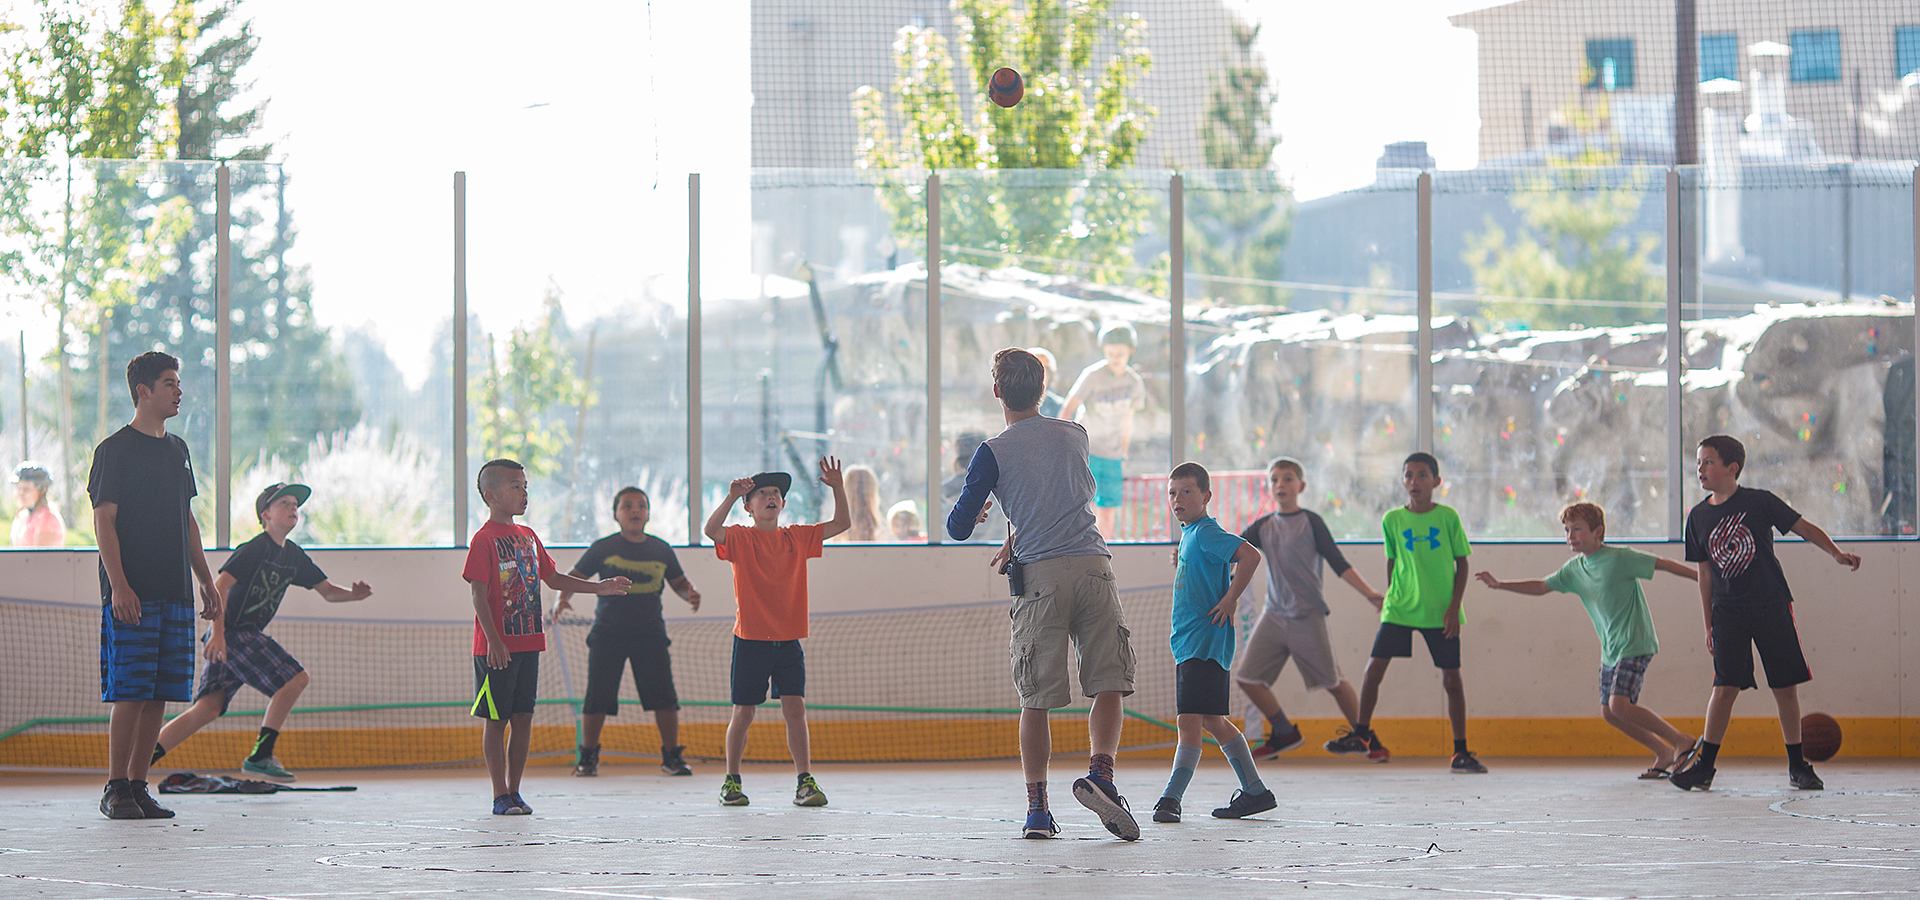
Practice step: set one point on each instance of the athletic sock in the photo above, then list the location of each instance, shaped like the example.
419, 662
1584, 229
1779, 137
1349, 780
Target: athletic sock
1242, 759
159, 750
1036, 795
1100, 765
263, 745
1185, 758
1794, 756
1278, 724
1459, 747
1709, 751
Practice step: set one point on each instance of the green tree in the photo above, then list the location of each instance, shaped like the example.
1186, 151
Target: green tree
1078, 117
524, 399
1574, 247
1239, 220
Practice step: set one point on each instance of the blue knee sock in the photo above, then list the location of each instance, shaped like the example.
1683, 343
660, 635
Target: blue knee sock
1242, 759
1185, 757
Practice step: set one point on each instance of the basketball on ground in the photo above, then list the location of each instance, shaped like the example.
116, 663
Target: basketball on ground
1006, 88
1819, 736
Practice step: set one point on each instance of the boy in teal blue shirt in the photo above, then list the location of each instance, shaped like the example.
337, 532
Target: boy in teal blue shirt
1212, 569
1426, 580
1607, 579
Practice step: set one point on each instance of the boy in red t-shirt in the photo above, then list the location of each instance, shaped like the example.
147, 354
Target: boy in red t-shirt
770, 594
506, 565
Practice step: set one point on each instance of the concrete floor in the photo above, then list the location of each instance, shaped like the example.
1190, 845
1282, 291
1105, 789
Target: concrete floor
1532, 828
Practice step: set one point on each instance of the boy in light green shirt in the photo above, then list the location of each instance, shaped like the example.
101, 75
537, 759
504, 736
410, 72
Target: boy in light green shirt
1607, 579
1426, 579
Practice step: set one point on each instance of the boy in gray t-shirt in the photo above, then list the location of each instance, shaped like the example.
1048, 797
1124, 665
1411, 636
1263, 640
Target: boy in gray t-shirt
1111, 392
1294, 541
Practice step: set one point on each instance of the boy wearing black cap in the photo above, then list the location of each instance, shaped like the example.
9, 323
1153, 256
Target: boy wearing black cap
770, 596
253, 581
1112, 391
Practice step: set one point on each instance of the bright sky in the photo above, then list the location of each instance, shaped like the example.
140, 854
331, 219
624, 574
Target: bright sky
577, 123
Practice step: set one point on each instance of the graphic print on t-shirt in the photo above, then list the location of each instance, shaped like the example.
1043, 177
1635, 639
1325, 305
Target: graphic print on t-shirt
265, 591
649, 576
1432, 537
1731, 546
519, 584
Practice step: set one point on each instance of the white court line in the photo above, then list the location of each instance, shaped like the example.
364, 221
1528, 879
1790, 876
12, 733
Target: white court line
191, 892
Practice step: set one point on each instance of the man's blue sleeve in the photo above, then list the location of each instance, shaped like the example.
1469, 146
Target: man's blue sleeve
982, 474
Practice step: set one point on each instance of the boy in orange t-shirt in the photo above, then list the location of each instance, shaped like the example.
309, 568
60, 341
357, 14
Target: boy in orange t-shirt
770, 594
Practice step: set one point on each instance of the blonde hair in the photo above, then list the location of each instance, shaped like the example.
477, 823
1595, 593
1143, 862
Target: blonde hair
863, 500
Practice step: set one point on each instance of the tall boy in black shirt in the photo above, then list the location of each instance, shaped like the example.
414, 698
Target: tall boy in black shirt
1747, 603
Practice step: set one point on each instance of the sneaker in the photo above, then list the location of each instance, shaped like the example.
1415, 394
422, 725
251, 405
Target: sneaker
1696, 777
1279, 742
1351, 742
808, 793
1376, 751
504, 805
268, 768
1465, 764
730, 794
1104, 799
586, 762
526, 809
671, 762
1167, 811
115, 803
137, 792
1040, 825
1243, 804
1803, 778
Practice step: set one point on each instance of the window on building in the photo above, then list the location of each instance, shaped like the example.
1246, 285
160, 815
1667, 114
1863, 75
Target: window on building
1720, 56
1610, 64
1906, 51
1816, 55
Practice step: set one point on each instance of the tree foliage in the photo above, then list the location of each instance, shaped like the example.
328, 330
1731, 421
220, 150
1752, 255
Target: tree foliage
1080, 64
1239, 220
525, 396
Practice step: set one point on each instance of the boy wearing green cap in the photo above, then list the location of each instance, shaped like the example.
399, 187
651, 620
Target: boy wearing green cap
1111, 391
254, 580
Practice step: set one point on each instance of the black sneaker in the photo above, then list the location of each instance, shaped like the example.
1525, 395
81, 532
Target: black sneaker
1243, 804
1803, 778
1351, 742
1696, 777
587, 762
1465, 764
672, 763
137, 792
1279, 742
1104, 799
116, 803
1167, 811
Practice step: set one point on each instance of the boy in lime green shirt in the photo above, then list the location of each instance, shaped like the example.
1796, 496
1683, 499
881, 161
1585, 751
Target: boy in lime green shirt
1607, 579
1426, 579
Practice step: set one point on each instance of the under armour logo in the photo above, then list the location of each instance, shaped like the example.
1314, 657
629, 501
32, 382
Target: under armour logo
1432, 538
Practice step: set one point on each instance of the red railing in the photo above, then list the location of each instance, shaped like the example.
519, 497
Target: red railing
1238, 498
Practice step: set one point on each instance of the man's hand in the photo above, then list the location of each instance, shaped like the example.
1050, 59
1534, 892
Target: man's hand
830, 471
210, 602
981, 519
497, 655
1002, 556
126, 605
615, 585
1850, 560
739, 487
1222, 612
1451, 621
216, 648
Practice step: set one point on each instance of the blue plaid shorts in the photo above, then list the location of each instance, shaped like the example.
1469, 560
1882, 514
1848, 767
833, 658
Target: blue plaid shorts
252, 659
1624, 678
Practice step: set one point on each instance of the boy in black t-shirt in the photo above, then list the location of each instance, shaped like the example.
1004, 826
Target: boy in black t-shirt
1747, 604
628, 629
141, 485
254, 580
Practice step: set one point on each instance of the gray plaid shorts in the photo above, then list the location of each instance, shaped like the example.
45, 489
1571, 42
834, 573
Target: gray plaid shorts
252, 659
1624, 678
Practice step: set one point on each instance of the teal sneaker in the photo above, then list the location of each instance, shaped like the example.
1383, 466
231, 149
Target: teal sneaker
268, 768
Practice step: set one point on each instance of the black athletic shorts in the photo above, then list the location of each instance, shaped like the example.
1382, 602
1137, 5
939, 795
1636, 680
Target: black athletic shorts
504, 693
608, 656
756, 663
1737, 631
1397, 640
1201, 688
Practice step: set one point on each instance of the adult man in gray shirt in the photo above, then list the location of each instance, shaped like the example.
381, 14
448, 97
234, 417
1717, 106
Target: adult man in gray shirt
1038, 469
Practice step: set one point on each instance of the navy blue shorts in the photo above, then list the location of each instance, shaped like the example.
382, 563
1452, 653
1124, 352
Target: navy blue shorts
1397, 640
1201, 687
252, 659
607, 659
1738, 631
756, 663
504, 693
149, 661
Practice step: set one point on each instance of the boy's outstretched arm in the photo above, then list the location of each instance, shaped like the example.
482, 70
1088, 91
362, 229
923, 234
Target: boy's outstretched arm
1818, 538
1532, 586
561, 581
842, 516
1353, 577
333, 593
1451, 620
1663, 564
716, 529
1246, 559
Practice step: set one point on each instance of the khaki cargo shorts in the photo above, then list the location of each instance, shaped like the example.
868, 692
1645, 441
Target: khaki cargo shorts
1069, 599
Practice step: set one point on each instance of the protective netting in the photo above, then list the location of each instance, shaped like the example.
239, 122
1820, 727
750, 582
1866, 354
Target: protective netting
901, 685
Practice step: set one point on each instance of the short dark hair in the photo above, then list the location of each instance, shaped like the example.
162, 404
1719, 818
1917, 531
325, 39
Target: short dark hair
1421, 456
1192, 470
1289, 463
147, 368
480, 481
630, 490
1730, 450
1021, 378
